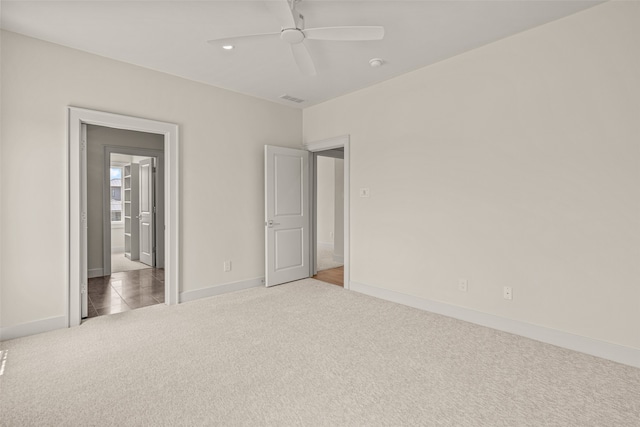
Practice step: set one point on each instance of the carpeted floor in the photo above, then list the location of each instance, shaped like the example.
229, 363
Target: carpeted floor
304, 353
325, 258
119, 262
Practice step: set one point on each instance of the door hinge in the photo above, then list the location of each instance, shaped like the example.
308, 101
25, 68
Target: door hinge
83, 217
83, 144
83, 288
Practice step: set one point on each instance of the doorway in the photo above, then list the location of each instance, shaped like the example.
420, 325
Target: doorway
133, 208
329, 213
124, 192
290, 215
338, 151
79, 120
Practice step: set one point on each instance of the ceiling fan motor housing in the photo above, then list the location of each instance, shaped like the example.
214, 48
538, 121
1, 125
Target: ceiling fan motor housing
292, 35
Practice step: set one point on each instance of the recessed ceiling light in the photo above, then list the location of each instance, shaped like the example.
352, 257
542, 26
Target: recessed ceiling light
227, 47
376, 62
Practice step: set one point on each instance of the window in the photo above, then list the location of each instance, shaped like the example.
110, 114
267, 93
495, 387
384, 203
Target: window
116, 194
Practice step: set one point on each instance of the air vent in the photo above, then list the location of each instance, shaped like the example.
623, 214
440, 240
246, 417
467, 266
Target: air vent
291, 98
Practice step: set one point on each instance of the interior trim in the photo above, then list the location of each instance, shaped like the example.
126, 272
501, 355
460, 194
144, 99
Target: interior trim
95, 272
32, 328
605, 350
221, 289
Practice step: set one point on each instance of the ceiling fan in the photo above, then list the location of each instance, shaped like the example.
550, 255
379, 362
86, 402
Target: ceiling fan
294, 33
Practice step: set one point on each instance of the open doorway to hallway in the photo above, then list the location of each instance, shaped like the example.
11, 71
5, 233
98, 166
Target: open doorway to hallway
329, 205
125, 199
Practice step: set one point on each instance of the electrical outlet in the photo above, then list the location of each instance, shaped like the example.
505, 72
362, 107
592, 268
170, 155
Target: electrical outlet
507, 293
331, 234
463, 285
227, 266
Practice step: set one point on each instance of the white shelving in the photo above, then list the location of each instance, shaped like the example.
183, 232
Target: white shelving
131, 207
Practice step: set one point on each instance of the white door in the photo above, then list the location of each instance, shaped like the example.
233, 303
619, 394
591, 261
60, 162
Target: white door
147, 210
286, 215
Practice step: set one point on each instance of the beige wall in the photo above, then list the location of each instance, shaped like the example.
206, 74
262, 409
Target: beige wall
515, 164
330, 208
222, 135
97, 138
325, 199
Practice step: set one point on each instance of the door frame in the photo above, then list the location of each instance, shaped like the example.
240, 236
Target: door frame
106, 211
325, 145
77, 243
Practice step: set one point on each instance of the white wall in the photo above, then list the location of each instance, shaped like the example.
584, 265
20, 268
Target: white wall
325, 199
222, 135
515, 164
117, 239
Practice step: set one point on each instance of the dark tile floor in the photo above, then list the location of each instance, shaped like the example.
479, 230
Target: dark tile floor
125, 290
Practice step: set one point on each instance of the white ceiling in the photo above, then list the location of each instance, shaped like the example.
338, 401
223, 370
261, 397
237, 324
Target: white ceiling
170, 36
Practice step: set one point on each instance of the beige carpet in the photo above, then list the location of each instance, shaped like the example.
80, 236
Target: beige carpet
304, 353
119, 262
325, 258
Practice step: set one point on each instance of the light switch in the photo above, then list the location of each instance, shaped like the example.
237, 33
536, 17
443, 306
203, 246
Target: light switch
364, 192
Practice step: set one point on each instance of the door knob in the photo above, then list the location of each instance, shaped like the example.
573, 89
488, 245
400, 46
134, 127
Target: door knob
270, 223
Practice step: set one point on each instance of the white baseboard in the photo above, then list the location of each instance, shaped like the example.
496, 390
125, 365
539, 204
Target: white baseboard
221, 289
325, 245
338, 258
32, 328
95, 272
117, 250
617, 353
46, 325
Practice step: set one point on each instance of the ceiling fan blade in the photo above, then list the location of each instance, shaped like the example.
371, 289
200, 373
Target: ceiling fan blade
344, 33
303, 59
233, 40
282, 11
